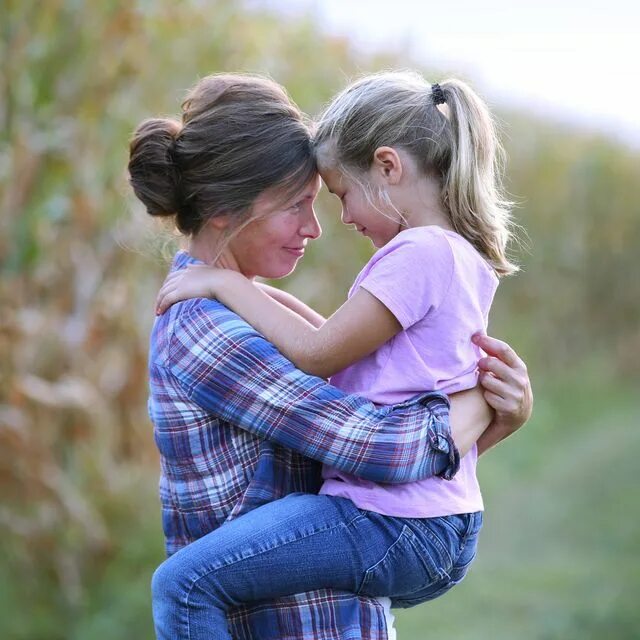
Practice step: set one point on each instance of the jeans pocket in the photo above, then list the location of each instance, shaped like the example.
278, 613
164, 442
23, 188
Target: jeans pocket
430, 592
464, 560
451, 542
409, 565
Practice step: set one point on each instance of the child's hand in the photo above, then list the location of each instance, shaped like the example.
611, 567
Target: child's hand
195, 281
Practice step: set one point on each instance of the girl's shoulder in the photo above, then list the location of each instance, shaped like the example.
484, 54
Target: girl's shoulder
416, 242
448, 245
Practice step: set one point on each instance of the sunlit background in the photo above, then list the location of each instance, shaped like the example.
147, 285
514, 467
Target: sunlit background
80, 267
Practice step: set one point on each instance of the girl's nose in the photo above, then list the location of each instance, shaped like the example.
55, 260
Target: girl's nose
345, 217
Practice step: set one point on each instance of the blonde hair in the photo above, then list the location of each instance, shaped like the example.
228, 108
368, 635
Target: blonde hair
455, 142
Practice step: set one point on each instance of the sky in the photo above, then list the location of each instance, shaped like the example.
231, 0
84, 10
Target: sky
575, 62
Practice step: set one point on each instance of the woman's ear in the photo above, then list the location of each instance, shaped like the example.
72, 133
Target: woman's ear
220, 223
387, 164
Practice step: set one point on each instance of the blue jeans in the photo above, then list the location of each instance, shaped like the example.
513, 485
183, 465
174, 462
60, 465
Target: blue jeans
305, 542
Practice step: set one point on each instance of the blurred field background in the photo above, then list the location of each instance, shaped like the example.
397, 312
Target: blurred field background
80, 267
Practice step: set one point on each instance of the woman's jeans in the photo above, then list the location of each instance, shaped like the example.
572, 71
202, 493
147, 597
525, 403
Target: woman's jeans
305, 542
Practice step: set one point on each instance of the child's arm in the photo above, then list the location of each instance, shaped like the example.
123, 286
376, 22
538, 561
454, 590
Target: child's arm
355, 330
291, 302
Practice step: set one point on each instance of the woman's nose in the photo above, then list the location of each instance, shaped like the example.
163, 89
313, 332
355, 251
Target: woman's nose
345, 217
311, 227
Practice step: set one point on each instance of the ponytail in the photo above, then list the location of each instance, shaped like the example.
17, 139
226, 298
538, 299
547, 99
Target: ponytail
471, 187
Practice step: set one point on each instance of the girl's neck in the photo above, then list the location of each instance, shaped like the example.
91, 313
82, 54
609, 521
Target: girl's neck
418, 197
422, 204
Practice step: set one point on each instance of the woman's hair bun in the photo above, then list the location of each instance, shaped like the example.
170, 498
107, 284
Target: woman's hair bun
152, 172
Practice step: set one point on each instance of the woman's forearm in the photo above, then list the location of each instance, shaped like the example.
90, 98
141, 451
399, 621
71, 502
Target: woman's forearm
240, 378
469, 417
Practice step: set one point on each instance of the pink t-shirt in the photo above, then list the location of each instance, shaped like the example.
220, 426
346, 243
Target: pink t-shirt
440, 290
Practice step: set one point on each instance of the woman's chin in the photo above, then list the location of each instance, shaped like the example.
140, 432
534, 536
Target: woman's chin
276, 271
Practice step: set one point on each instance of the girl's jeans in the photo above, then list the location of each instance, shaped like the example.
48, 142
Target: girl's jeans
305, 542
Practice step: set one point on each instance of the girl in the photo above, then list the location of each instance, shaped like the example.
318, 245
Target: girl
416, 169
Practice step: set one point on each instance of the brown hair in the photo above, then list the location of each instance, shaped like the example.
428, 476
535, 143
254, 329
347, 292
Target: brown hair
239, 135
458, 143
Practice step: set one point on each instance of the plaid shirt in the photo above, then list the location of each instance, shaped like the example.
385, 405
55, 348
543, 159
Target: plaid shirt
237, 426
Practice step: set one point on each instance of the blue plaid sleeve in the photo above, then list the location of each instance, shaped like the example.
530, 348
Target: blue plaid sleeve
231, 371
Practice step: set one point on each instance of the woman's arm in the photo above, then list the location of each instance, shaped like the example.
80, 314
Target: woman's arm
239, 377
232, 372
291, 302
359, 327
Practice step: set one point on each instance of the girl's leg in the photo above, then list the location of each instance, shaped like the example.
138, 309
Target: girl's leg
296, 544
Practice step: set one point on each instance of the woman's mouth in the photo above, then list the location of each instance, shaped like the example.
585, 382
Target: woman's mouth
296, 251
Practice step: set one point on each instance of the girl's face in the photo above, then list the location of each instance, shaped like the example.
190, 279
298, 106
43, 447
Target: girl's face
271, 245
357, 209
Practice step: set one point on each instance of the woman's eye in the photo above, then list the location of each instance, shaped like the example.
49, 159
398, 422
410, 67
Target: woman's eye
297, 206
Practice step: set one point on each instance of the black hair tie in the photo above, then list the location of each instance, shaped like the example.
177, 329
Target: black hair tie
437, 94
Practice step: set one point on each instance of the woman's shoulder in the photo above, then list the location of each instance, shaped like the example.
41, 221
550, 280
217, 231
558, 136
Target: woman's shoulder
196, 314
203, 318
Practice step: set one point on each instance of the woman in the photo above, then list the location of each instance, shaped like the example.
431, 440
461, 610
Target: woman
236, 424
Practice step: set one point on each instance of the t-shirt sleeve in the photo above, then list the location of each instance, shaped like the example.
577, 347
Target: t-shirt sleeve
412, 275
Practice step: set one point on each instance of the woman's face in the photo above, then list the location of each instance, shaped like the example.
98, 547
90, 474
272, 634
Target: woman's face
271, 245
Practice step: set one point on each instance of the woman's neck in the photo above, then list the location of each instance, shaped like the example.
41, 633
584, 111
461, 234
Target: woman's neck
205, 245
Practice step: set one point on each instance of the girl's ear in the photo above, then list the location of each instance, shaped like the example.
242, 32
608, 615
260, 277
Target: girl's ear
387, 163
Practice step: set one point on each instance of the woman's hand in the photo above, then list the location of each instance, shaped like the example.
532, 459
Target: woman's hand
507, 389
195, 281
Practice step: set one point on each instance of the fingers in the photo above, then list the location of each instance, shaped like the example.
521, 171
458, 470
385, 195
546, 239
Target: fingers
498, 349
497, 402
516, 379
167, 294
490, 383
190, 282
166, 297
511, 399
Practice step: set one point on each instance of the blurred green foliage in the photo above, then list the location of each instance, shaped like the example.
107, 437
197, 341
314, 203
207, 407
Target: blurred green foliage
80, 266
